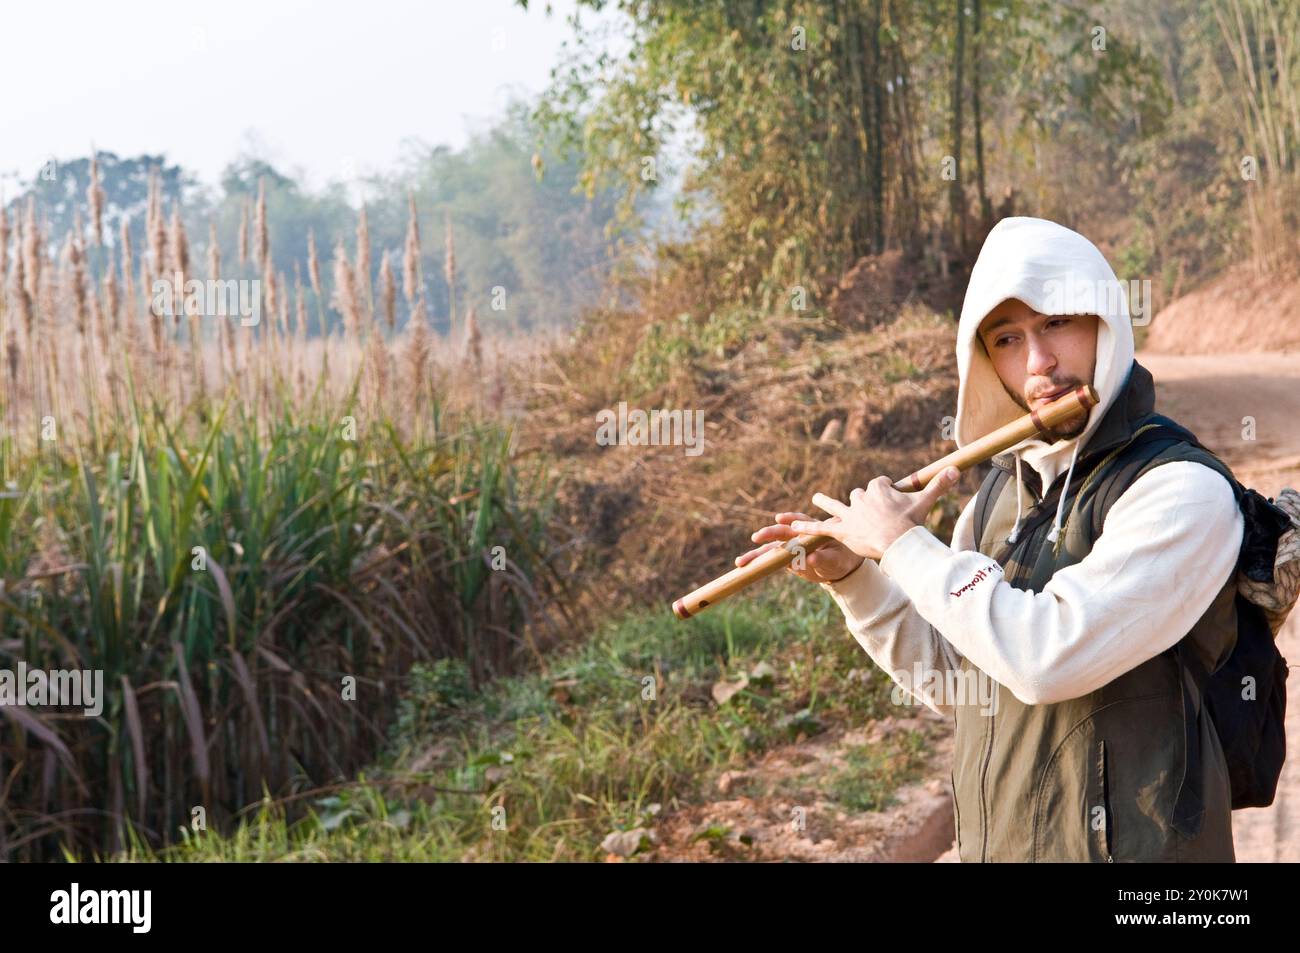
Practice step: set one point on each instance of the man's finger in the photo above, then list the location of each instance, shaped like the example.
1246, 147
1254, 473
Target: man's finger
773, 532
746, 558
831, 528
829, 504
936, 488
791, 517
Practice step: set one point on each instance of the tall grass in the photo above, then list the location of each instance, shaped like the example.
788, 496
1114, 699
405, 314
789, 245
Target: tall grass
253, 535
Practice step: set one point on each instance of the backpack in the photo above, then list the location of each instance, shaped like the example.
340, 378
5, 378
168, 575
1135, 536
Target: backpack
1251, 732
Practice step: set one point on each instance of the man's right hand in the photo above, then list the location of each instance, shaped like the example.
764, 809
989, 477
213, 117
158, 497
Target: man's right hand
831, 563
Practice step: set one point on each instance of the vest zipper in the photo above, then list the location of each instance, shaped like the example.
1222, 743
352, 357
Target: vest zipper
1105, 802
984, 774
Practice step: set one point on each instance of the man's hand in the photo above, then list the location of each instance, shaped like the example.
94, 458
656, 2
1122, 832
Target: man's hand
828, 564
876, 516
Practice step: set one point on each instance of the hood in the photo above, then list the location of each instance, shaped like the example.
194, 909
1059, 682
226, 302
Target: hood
1054, 270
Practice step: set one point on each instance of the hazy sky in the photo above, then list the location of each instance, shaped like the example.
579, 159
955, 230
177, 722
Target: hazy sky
329, 88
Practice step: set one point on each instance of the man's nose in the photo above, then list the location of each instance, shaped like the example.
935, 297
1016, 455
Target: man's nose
1042, 359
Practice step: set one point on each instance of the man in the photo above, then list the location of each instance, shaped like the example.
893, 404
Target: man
1095, 748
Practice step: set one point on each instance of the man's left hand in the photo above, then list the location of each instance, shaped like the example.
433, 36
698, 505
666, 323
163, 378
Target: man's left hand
877, 515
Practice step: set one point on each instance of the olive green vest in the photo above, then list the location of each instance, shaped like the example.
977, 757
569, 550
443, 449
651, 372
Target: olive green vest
1101, 777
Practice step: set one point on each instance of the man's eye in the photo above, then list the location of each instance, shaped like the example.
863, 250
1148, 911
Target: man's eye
1058, 321
1001, 341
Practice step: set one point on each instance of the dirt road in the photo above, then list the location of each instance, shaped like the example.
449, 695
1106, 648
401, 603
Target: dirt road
1218, 397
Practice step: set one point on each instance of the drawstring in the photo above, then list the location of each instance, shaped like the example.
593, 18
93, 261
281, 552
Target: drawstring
1065, 491
1055, 534
1015, 530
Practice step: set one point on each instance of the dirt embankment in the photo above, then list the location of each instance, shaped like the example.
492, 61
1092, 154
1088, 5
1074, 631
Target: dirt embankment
1242, 311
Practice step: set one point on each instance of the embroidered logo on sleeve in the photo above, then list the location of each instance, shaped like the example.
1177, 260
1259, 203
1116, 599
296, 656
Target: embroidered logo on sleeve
977, 578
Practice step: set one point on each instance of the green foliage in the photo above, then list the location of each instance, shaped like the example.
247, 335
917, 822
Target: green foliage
530, 251
434, 694
820, 127
617, 729
228, 578
874, 771
669, 351
59, 191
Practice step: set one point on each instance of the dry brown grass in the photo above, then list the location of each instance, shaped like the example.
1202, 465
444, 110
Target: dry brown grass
659, 522
80, 335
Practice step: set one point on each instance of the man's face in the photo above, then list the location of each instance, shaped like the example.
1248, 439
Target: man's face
1039, 357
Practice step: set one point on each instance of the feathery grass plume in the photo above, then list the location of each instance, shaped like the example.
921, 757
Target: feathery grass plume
4, 240
282, 287
4, 258
261, 237
74, 280
243, 233
299, 304
156, 312
23, 306
412, 280
417, 350
363, 264
473, 340
345, 291
98, 323
179, 246
95, 198
498, 392
223, 372
388, 292
196, 310
33, 254
156, 225
450, 273
47, 262
112, 299
179, 243
47, 304
128, 255
379, 376
214, 251
228, 338
377, 356
22, 297
313, 264
128, 282
270, 294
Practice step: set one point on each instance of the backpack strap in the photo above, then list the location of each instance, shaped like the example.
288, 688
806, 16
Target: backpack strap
989, 490
1125, 464
1115, 474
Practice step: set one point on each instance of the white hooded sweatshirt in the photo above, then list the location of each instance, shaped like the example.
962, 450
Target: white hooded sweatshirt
1169, 542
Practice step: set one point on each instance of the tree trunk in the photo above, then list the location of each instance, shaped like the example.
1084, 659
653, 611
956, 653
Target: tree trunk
956, 199
877, 140
986, 209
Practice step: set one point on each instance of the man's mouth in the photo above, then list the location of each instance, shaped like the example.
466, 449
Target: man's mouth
1048, 398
